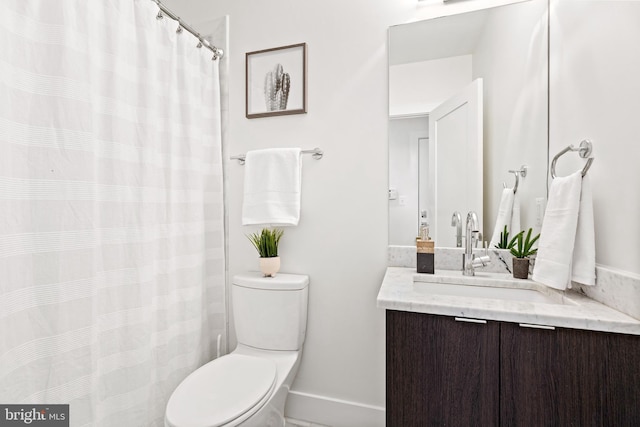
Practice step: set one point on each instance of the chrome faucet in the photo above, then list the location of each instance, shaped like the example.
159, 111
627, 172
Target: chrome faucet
470, 261
456, 221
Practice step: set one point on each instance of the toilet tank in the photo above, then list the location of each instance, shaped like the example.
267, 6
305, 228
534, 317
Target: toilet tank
270, 313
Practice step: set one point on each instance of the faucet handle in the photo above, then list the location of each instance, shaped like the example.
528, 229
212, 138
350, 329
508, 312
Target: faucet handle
483, 260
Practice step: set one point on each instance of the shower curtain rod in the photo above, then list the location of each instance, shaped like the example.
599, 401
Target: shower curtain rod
217, 52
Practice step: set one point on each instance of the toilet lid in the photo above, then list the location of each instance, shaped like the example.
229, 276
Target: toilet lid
221, 391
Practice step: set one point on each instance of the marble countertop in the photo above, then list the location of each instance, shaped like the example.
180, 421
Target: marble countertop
405, 290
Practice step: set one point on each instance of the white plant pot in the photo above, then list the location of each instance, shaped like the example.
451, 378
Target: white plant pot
270, 266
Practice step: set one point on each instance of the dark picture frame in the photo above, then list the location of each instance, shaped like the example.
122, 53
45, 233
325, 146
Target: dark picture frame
276, 81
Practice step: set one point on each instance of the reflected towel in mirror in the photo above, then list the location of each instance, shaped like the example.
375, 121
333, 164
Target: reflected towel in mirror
508, 214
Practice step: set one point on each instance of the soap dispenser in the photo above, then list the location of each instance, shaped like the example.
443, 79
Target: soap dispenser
425, 248
424, 231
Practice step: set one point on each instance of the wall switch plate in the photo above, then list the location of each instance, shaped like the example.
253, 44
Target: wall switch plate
393, 193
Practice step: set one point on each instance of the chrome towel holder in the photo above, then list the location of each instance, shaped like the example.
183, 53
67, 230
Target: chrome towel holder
522, 172
584, 150
316, 153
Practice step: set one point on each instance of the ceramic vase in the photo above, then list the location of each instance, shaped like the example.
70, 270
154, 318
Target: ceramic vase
520, 268
270, 266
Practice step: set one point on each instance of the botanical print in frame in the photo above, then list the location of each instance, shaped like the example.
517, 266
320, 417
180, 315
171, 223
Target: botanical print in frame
276, 81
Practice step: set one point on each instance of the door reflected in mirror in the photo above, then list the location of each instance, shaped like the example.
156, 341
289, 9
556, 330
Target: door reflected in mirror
448, 154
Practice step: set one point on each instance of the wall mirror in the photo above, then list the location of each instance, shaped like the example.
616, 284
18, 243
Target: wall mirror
468, 102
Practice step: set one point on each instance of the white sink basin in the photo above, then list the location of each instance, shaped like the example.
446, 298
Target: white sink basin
495, 286
474, 291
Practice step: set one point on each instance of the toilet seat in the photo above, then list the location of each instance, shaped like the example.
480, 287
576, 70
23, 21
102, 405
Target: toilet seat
226, 389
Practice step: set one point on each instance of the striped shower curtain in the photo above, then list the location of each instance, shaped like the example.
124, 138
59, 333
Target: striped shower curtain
111, 208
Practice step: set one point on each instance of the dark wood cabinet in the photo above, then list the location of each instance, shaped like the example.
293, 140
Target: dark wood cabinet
530, 371
443, 372
568, 377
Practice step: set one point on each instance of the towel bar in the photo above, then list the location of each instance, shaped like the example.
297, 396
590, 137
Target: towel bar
316, 153
522, 172
584, 150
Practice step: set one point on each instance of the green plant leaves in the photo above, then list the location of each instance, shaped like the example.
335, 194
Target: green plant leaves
504, 242
522, 247
266, 242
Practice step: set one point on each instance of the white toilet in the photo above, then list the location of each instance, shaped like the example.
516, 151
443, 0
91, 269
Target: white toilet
249, 386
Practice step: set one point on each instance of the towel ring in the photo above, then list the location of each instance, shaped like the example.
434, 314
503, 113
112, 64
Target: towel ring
522, 172
584, 150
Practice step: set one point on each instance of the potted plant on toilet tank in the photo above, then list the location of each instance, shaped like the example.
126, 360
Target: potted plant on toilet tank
266, 243
521, 250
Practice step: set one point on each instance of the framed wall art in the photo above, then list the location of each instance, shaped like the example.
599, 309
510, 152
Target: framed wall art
276, 81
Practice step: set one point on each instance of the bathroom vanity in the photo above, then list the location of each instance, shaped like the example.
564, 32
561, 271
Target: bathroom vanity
493, 351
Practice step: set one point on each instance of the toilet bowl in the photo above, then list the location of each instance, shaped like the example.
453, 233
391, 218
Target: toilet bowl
249, 386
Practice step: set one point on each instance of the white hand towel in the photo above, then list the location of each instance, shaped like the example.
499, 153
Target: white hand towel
505, 212
584, 253
561, 249
515, 216
272, 183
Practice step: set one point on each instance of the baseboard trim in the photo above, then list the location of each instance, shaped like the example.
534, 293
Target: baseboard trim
333, 412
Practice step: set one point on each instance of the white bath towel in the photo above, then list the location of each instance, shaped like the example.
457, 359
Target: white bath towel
566, 249
505, 214
272, 183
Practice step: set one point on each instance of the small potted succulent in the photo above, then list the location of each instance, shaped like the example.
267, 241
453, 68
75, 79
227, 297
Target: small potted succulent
521, 250
266, 243
504, 242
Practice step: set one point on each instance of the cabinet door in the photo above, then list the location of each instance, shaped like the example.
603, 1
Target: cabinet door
441, 372
569, 377
530, 369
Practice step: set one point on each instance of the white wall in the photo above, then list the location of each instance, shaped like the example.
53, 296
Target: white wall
595, 93
410, 92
